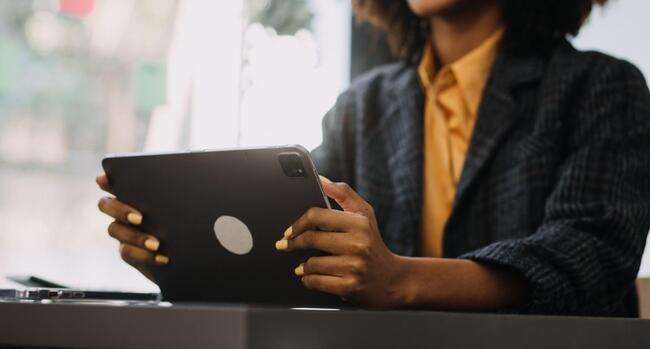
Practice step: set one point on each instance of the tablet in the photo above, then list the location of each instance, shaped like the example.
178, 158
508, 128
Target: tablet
218, 215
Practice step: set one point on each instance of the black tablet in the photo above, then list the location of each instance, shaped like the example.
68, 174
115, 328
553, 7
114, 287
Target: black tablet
218, 215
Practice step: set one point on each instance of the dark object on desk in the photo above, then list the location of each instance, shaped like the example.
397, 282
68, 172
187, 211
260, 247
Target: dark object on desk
39, 294
34, 281
218, 215
39, 289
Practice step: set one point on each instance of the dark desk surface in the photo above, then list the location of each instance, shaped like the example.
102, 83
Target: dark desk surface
203, 326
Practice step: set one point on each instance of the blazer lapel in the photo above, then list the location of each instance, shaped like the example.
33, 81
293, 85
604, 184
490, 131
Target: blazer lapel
402, 130
496, 117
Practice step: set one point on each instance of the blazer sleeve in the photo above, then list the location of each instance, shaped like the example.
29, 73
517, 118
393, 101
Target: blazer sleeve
334, 157
585, 256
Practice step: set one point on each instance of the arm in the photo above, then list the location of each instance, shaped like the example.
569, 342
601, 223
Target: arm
468, 285
584, 257
581, 260
363, 270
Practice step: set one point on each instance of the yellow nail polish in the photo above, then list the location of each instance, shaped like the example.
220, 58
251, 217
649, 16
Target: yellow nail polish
162, 259
300, 270
134, 218
325, 179
282, 245
288, 232
152, 244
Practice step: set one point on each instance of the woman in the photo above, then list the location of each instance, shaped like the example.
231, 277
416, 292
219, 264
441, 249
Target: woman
494, 167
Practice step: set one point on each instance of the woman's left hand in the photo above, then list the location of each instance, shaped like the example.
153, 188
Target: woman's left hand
360, 269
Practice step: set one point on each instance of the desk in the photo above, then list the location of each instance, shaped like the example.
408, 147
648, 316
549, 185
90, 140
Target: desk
204, 326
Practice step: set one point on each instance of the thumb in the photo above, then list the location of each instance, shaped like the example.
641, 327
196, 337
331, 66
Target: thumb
345, 196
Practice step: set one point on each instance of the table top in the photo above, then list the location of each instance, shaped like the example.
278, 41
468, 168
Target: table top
241, 326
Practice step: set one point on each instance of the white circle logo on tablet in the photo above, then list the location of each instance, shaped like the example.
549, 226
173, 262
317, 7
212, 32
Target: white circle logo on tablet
233, 235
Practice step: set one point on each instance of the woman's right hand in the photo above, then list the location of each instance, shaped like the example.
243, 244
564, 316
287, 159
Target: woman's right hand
136, 247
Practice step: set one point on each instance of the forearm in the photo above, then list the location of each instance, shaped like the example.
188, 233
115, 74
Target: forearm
458, 284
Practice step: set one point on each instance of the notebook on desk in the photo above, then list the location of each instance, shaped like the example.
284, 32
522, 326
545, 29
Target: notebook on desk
38, 289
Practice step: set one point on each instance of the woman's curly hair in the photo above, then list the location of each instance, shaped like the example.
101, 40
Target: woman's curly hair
529, 22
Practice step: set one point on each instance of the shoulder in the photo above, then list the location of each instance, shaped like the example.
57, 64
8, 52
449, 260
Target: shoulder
601, 95
356, 115
592, 69
370, 99
377, 88
384, 78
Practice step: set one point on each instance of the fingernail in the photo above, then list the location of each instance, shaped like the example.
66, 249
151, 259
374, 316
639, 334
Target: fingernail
134, 218
152, 244
282, 245
160, 259
325, 179
300, 270
288, 232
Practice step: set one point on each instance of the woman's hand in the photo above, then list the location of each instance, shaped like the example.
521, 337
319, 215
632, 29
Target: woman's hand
136, 247
361, 268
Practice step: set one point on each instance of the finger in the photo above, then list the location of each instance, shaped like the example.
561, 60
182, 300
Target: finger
317, 218
346, 197
329, 284
329, 242
120, 211
103, 183
137, 256
328, 265
131, 236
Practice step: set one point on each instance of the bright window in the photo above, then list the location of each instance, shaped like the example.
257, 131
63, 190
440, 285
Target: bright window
82, 78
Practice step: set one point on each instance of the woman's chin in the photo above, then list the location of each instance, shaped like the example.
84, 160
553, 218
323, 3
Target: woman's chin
430, 8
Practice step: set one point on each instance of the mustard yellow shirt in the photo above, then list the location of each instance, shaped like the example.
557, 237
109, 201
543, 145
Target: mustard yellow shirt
452, 99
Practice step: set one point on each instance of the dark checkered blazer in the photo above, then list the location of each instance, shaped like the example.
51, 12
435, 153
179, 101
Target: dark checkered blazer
556, 184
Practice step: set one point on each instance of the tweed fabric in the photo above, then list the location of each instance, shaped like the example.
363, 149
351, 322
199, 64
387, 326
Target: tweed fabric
556, 184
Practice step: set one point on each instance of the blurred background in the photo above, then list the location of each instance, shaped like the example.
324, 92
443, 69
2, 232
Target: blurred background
82, 78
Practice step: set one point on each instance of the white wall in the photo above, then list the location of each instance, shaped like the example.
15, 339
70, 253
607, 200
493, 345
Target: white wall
622, 29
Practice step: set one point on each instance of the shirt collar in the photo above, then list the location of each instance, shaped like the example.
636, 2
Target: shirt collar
471, 71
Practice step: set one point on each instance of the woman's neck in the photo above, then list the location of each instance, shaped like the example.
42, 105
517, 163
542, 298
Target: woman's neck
455, 34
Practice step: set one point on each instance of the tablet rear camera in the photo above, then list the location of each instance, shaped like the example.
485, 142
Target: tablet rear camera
292, 165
